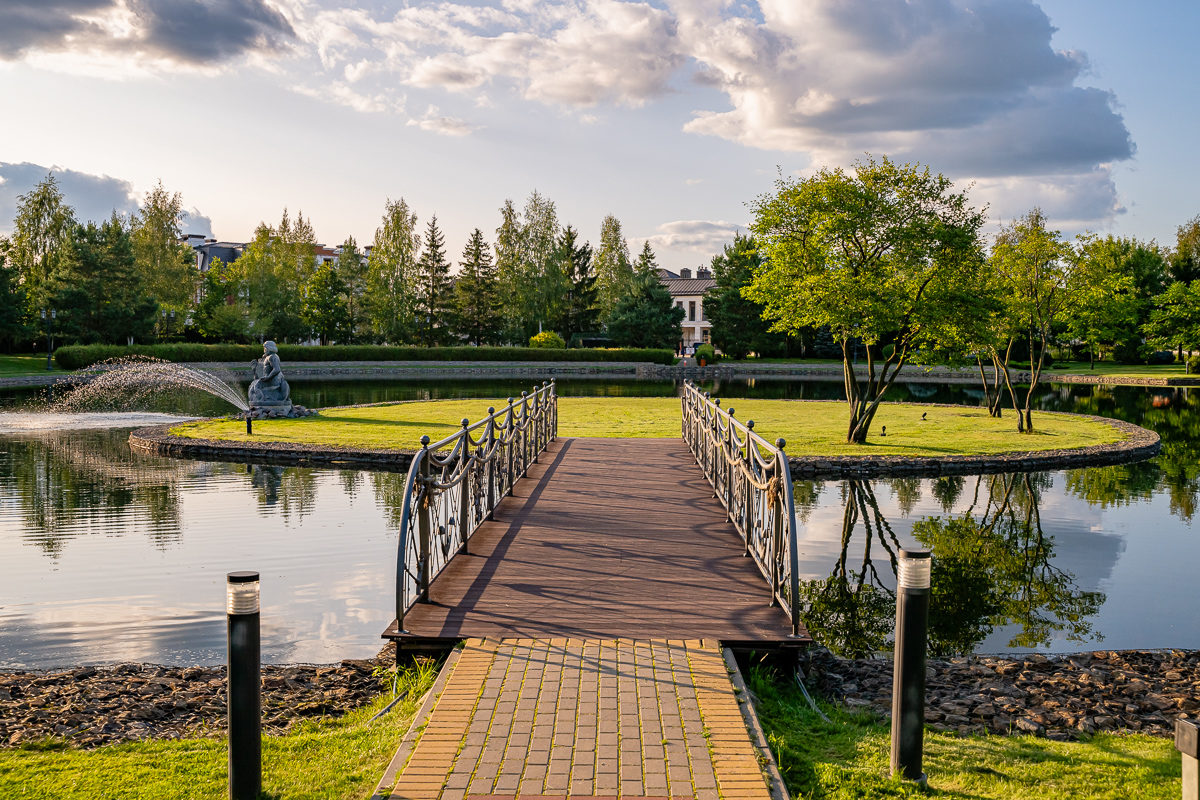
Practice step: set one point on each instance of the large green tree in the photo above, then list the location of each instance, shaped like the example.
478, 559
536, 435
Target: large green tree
614, 273
323, 306
352, 270
274, 269
12, 299
1185, 258
738, 327
1032, 267
1174, 321
42, 233
476, 304
96, 288
434, 299
222, 313
167, 267
646, 317
1105, 303
882, 254
391, 296
578, 310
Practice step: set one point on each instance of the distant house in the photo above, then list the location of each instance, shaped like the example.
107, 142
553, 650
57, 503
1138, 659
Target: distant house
688, 293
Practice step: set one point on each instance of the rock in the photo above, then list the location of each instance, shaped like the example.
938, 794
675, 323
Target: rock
1026, 725
956, 719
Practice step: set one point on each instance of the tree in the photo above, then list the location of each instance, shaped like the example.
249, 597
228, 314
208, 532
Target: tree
508, 272
392, 274
96, 288
12, 299
738, 327
274, 268
476, 306
433, 287
884, 254
1033, 267
578, 312
1174, 322
544, 284
646, 317
646, 265
1104, 302
167, 267
614, 274
324, 306
1184, 263
41, 237
222, 313
352, 270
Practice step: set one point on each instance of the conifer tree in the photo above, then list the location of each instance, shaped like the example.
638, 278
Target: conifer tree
614, 273
646, 265
391, 298
352, 271
646, 317
433, 291
476, 304
578, 305
508, 268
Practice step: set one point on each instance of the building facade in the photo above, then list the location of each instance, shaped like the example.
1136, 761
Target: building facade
687, 291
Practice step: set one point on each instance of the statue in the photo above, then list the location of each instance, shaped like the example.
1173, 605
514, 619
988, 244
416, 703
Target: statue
269, 389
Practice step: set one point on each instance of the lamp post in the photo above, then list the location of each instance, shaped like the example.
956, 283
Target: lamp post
49, 335
908, 666
245, 687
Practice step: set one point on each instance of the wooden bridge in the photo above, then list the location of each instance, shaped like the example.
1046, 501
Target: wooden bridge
598, 585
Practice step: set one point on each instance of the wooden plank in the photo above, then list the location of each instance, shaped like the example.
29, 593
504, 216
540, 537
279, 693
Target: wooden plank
605, 538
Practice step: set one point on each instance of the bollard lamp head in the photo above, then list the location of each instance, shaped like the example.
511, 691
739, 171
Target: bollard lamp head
241, 593
913, 569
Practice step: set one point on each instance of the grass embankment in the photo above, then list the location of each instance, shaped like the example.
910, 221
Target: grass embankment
318, 760
23, 366
849, 758
810, 428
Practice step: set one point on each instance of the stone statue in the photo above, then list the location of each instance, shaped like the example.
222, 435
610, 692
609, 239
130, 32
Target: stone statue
269, 389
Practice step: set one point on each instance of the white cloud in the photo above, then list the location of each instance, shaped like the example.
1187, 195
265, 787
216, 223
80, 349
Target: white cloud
447, 126
690, 235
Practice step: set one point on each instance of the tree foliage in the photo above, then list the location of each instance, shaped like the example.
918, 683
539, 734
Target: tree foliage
646, 317
352, 270
884, 254
434, 301
167, 268
577, 309
476, 304
738, 327
323, 305
391, 300
42, 232
614, 273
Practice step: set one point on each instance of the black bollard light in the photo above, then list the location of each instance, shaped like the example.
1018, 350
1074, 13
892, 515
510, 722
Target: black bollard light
245, 687
249, 424
1187, 742
908, 676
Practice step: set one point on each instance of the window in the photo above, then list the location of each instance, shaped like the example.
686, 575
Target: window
692, 311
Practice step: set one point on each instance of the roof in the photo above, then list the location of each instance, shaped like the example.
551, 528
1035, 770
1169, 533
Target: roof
679, 287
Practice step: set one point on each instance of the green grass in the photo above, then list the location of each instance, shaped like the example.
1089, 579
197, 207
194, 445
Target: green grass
816, 428
849, 759
320, 760
22, 366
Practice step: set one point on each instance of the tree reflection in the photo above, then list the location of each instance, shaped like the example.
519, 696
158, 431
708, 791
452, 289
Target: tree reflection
993, 567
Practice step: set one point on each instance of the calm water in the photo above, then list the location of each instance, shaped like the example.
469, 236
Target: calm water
106, 555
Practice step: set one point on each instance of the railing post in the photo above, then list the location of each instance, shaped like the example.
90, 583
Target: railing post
748, 494
524, 433
490, 444
509, 448
464, 488
424, 523
793, 547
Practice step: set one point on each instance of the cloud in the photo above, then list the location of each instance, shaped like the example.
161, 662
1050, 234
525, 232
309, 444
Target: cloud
94, 197
153, 33
691, 235
446, 126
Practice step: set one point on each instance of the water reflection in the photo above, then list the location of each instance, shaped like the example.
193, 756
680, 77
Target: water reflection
998, 571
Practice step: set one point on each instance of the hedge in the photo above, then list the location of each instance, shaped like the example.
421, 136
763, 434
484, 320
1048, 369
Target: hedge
80, 356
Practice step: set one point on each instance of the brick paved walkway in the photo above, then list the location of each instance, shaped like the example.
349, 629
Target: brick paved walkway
585, 718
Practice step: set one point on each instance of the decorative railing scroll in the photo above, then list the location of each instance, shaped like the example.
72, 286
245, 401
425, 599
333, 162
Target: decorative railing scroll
752, 479
454, 485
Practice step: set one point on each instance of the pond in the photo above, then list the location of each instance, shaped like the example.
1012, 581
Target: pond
111, 556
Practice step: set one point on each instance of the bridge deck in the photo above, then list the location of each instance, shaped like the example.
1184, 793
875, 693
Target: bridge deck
605, 538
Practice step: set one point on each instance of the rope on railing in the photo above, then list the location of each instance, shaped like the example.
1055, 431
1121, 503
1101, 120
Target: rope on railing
453, 486
752, 479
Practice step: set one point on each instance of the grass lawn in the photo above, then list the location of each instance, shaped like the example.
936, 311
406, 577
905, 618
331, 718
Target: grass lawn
320, 760
849, 759
21, 366
810, 428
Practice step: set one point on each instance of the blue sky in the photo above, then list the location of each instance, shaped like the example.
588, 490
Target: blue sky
671, 115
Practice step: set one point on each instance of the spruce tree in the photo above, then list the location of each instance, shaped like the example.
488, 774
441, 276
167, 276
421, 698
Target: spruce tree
578, 306
646, 265
737, 324
646, 317
352, 270
433, 291
476, 304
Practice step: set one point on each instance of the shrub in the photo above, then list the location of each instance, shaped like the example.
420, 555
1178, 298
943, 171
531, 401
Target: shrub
707, 352
1193, 365
547, 340
1161, 357
80, 356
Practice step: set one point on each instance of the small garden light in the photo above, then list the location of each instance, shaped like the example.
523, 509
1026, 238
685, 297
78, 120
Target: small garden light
908, 665
245, 686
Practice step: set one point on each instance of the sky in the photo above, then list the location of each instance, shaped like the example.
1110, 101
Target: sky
672, 115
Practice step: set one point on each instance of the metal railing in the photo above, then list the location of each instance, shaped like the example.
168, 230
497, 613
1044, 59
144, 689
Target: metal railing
751, 478
454, 485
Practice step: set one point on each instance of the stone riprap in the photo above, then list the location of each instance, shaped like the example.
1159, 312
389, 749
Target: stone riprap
1138, 444
269, 412
1058, 696
93, 706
